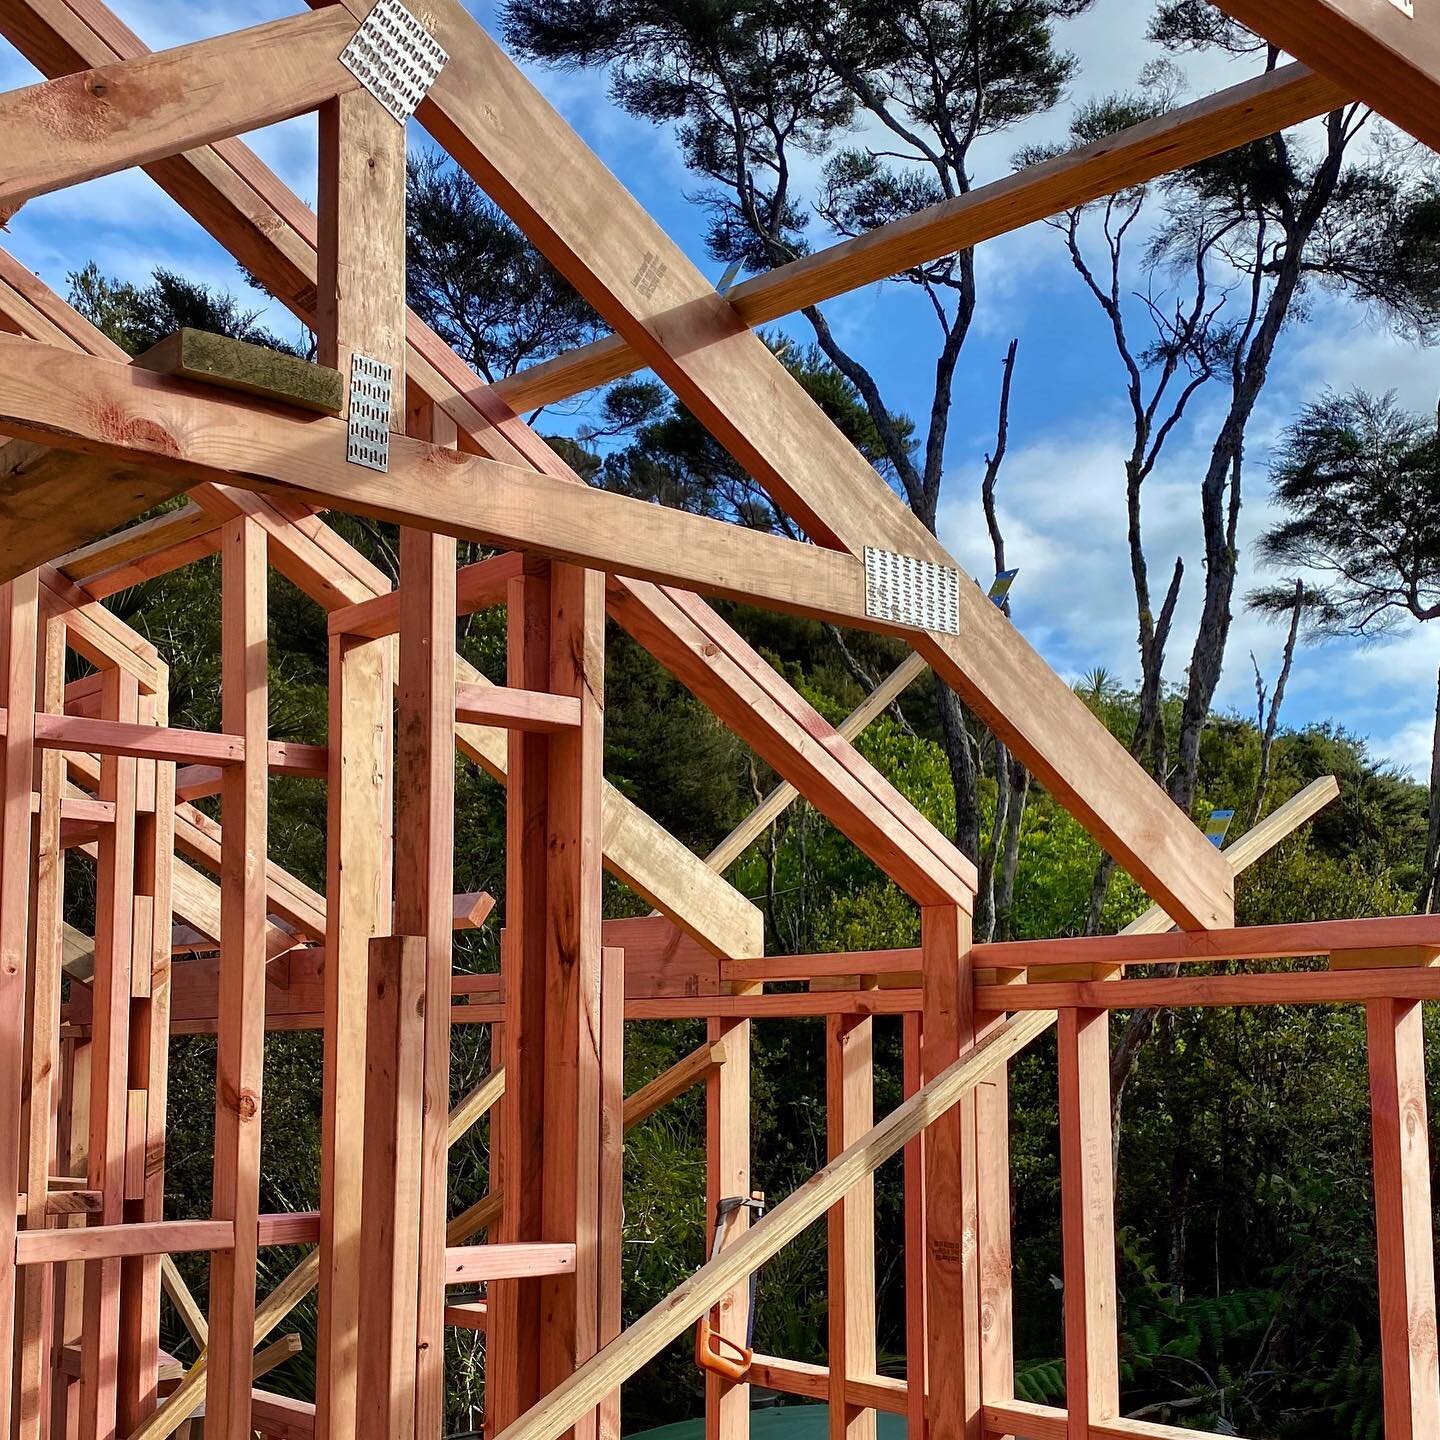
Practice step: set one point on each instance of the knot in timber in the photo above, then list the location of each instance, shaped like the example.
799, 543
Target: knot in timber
114, 423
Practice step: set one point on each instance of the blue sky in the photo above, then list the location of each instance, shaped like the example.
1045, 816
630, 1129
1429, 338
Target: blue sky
1061, 495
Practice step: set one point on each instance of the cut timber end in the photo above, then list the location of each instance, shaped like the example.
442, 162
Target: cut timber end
251, 369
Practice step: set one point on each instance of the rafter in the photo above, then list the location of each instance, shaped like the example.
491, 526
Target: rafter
1385, 52
1220, 122
81, 126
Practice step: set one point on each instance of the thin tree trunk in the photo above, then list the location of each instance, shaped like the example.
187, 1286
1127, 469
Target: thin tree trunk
1267, 738
1149, 733
1010, 856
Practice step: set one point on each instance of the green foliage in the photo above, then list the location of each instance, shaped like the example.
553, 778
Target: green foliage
1358, 480
671, 458
477, 282
136, 317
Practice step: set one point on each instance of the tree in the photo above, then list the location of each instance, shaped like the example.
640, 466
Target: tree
1358, 478
1229, 256
1183, 345
1267, 722
761, 90
1292, 215
475, 280
136, 317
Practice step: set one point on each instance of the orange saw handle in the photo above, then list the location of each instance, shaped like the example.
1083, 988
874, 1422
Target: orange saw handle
713, 1351
718, 1354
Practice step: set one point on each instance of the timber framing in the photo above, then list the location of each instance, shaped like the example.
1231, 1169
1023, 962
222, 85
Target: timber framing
198, 931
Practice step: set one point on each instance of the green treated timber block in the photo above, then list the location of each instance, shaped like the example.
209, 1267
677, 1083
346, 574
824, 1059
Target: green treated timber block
251, 369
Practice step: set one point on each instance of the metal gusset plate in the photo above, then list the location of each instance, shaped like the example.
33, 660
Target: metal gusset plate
909, 591
395, 58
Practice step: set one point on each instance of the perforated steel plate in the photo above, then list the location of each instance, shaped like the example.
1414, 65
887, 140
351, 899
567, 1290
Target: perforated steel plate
368, 440
907, 591
395, 58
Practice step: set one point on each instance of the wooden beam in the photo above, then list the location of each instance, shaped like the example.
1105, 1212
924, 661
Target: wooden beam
516, 709
1404, 1240
471, 910
572, 938
431, 487
1232, 117
797, 1377
192, 1317
503, 132
247, 368
152, 928
52, 501
1249, 942
688, 1301
1293, 988
425, 906
469, 1264
952, 1281
1087, 1221
683, 1075
850, 1239
358, 309
774, 805
35, 1317
109, 1242
728, 1175
291, 1227
390, 1213
358, 909
118, 552
476, 1105
1384, 52
240, 1052
111, 992
139, 742
19, 631
610, 1204
361, 239
90, 124
710, 659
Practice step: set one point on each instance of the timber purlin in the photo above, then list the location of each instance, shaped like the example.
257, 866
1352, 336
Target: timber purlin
259, 442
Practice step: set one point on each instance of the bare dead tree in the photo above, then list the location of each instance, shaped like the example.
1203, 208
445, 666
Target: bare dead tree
1000, 860
1160, 382
1268, 723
